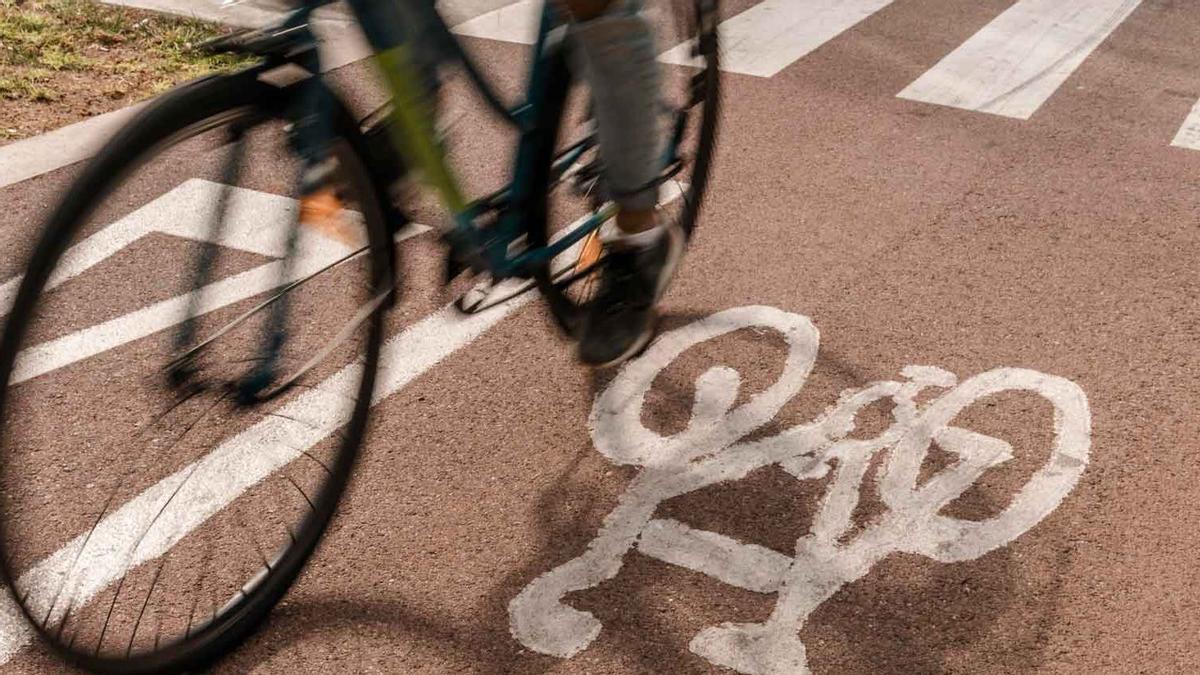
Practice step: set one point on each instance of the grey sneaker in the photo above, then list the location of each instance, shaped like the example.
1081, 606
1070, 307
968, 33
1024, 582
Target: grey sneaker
621, 318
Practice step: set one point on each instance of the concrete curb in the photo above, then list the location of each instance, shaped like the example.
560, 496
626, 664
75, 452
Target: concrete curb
342, 43
73, 143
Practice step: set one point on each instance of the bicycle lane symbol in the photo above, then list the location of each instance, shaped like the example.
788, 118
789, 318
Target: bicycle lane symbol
709, 450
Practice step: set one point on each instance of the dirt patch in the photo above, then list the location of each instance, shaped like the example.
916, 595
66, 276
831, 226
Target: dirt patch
64, 60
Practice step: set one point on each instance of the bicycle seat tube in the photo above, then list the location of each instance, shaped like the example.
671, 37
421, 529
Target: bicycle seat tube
400, 32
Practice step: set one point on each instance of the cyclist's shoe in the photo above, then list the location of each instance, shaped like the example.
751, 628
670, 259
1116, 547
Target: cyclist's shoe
621, 318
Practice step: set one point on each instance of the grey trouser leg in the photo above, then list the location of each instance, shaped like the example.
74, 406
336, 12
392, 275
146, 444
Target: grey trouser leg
620, 64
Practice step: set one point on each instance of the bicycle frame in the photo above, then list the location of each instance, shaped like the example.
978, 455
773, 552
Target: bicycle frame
495, 249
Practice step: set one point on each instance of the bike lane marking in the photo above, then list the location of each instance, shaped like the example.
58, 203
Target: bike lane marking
1016, 63
711, 450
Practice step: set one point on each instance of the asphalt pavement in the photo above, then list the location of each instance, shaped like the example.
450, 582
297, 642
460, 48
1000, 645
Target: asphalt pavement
985, 210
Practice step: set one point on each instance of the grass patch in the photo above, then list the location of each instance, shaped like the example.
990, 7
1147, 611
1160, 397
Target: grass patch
73, 58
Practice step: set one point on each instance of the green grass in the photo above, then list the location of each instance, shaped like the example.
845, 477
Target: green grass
126, 51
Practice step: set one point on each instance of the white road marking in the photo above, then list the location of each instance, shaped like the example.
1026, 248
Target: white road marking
233, 467
455, 12
1017, 62
76, 142
747, 566
517, 22
773, 34
1189, 134
256, 222
239, 14
760, 41
711, 450
183, 212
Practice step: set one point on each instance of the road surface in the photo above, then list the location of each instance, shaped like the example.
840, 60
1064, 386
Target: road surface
1001, 192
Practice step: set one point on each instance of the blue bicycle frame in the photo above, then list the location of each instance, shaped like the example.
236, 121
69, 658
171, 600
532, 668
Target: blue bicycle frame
409, 37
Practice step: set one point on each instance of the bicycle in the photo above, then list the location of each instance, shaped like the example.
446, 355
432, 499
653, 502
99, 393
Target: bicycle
214, 474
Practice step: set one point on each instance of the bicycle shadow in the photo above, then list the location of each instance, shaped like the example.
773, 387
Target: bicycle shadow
909, 614
487, 644
914, 615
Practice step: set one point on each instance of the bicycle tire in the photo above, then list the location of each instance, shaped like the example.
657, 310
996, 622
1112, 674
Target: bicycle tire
189, 107
706, 82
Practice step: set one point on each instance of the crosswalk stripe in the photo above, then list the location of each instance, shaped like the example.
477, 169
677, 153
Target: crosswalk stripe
517, 22
1017, 62
1189, 134
773, 34
760, 41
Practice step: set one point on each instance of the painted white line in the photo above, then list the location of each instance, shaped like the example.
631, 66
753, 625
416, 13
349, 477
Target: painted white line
773, 34
517, 23
1189, 134
256, 222
747, 566
239, 14
1017, 62
760, 41
458, 11
710, 449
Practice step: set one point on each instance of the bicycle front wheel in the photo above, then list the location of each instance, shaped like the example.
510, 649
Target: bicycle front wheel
190, 357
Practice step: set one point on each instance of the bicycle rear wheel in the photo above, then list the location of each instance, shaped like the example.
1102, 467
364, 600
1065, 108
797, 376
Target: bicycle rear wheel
686, 33
153, 505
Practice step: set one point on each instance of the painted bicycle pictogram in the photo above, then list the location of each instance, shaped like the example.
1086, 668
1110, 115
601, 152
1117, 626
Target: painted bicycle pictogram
711, 450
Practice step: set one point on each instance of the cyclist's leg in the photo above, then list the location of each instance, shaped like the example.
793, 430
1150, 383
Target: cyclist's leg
621, 67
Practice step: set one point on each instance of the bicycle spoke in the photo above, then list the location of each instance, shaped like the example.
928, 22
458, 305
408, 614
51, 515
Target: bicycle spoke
347, 331
142, 611
63, 624
304, 494
78, 554
287, 288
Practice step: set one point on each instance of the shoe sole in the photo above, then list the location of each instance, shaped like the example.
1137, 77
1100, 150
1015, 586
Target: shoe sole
635, 348
674, 255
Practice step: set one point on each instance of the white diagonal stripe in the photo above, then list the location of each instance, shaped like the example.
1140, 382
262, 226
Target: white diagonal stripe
1189, 134
1017, 62
773, 34
255, 221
